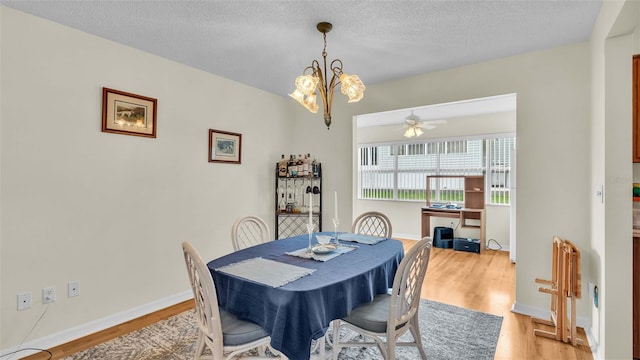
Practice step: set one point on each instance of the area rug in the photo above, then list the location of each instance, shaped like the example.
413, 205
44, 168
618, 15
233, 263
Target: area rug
448, 332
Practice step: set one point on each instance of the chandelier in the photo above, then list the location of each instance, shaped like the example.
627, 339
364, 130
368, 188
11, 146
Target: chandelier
316, 80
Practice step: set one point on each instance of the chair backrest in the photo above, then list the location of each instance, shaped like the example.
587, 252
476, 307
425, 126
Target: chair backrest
204, 294
249, 231
407, 285
372, 223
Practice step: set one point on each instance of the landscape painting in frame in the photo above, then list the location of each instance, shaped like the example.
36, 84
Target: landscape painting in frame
225, 146
128, 114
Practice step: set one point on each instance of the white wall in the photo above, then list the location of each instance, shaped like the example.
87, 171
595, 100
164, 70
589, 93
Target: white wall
111, 210
612, 47
552, 88
618, 184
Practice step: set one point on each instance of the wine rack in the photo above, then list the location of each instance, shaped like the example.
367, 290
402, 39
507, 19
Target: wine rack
294, 198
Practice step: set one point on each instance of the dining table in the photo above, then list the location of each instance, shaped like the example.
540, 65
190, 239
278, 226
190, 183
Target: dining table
298, 308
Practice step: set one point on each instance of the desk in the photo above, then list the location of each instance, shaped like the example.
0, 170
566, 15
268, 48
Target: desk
300, 311
463, 215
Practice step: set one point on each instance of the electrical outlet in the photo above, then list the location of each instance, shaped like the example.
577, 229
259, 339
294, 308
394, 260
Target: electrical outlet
24, 300
48, 295
73, 288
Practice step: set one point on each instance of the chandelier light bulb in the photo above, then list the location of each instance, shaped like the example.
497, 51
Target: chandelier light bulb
352, 86
310, 103
306, 84
298, 95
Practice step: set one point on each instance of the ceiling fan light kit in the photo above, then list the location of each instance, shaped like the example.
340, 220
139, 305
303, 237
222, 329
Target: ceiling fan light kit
308, 84
415, 126
413, 131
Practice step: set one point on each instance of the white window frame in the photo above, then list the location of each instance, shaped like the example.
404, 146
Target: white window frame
383, 183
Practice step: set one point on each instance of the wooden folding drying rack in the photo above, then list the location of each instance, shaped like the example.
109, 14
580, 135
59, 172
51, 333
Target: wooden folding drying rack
564, 287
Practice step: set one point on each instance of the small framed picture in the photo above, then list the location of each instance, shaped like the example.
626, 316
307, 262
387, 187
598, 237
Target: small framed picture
225, 146
128, 114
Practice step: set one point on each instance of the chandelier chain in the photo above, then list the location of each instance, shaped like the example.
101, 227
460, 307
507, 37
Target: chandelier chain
324, 49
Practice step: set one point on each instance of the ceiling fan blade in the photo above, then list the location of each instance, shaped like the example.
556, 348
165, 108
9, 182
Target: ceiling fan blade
427, 126
434, 122
412, 122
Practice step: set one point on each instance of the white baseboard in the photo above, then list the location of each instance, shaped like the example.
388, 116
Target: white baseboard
89, 328
595, 347
540, 313
494, 247
581, 322
406, 236
415, 237
544, 314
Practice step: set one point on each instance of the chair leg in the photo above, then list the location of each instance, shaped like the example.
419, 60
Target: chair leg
318, 347
388, 350
415, 332
200, 345
336, 340
262, 350
327, 338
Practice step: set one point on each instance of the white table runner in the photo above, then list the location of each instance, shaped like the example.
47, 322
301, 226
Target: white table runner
264, 271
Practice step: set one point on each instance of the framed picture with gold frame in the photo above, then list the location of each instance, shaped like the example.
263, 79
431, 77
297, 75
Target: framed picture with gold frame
225, 147
128, 114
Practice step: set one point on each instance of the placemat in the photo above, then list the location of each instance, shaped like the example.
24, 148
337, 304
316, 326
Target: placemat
264, 271
360, 238
304, 253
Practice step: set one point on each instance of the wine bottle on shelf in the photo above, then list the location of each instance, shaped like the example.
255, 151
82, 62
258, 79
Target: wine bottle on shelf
282, 205
299, 162
295, 166
296, 200
315, 168
305, 166
290, 166
289, 207
282, 167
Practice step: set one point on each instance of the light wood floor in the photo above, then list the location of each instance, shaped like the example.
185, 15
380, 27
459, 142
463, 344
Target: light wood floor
480, 282
487, 283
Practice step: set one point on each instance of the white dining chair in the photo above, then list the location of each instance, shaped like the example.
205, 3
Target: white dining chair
372, 223
249, 231
222, 333
390, 315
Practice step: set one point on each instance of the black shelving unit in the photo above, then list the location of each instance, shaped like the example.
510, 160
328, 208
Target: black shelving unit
292, 213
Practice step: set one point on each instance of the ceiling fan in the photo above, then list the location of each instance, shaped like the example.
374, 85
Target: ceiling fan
415, 126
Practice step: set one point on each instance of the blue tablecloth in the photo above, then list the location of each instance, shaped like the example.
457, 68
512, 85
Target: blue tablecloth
300, 311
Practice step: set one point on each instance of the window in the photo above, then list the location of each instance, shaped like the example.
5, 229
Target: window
415, 149
400, 170
499, 181
455, 147
368, 156
398, 150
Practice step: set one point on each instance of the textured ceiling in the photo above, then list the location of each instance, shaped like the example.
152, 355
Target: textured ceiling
266, 44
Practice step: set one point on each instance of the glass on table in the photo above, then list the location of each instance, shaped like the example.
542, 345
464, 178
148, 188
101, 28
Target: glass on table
336, 222
310, 228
